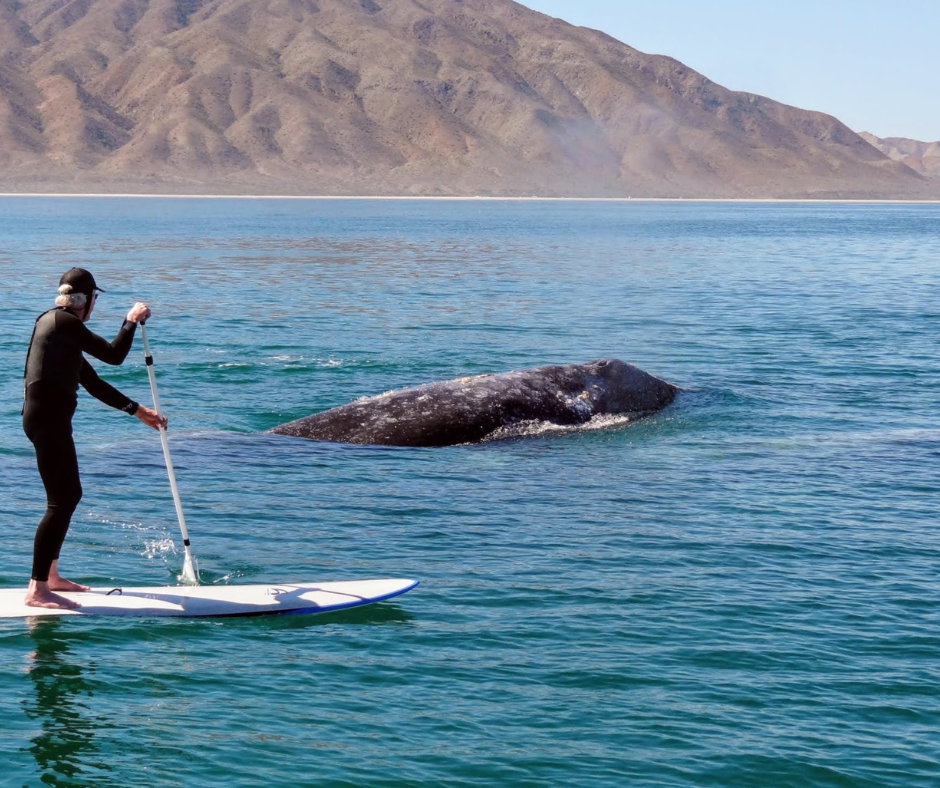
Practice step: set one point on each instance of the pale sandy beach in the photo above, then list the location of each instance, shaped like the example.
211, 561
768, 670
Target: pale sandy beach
353, 198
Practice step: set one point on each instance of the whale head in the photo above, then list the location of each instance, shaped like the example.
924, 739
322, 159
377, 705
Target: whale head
624, 388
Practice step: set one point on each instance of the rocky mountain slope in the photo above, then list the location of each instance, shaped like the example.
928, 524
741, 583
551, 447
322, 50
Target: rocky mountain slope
430, 97
922, 157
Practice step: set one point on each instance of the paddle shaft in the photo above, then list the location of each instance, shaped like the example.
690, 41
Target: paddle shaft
148, 358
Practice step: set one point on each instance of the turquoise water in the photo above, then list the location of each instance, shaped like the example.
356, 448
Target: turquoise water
739, 591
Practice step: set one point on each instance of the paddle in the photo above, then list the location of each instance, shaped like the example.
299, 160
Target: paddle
190, 574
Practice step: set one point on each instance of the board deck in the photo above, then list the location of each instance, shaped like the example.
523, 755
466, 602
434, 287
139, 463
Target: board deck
221, 600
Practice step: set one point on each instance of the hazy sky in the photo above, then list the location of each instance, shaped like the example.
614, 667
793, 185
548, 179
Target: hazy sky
874, 64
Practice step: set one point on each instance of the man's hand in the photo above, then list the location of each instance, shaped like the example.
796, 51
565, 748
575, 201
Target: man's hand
150, 417
139, 312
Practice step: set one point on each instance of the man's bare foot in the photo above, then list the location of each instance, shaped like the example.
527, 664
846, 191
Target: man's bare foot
61, 584
58, 583
39, 595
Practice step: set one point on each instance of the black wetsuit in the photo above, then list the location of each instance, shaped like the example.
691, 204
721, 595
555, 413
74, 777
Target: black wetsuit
55, 367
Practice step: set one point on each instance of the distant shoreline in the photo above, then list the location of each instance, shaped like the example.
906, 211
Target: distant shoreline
404, 198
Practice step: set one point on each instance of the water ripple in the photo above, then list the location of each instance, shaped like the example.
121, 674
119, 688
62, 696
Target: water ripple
740, 590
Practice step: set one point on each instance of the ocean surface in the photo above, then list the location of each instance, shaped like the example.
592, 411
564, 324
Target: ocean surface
741, 590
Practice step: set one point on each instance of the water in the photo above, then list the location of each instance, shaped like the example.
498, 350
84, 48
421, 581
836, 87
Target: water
739, 591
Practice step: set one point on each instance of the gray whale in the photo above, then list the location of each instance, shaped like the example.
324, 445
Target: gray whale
469, 409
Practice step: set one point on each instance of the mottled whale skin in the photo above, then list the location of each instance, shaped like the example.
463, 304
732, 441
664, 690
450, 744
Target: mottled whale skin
467, 410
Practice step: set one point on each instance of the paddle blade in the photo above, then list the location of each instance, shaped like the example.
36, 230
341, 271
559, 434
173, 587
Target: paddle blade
190, 574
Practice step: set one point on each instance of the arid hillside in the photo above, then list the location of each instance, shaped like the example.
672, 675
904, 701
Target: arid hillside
922, 157
412, 97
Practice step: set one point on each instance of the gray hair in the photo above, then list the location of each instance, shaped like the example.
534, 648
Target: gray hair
68, 298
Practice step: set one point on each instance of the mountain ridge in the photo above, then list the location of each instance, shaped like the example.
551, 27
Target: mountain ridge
381, 97
922, 157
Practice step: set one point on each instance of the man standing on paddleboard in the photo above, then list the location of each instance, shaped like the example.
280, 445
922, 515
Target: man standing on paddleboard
55, 367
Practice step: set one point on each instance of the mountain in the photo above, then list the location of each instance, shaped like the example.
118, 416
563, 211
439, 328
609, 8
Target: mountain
922, 157
411, 97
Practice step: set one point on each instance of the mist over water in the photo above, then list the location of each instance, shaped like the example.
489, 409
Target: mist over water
739, 590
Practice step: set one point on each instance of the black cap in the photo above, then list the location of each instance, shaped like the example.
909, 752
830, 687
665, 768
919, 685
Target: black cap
81, 280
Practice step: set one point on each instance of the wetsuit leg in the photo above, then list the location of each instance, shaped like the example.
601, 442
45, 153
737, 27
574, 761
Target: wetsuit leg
58, 467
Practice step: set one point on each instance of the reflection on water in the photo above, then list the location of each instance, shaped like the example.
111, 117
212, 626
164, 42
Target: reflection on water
65, 748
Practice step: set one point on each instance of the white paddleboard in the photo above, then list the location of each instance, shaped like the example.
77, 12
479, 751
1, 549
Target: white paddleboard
204, 601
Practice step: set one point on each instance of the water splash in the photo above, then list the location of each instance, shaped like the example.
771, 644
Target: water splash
162, 548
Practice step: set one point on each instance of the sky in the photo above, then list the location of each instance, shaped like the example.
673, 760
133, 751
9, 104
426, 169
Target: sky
874, 64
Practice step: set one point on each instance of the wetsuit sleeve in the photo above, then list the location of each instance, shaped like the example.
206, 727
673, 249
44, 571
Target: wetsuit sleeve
113, 352
103, 391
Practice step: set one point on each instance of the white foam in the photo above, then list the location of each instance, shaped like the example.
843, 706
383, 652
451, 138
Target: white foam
536, 427
297, 362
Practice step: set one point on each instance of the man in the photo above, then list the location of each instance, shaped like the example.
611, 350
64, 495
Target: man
55, 367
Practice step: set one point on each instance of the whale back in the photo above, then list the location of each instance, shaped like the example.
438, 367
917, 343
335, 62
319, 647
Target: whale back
466, 410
